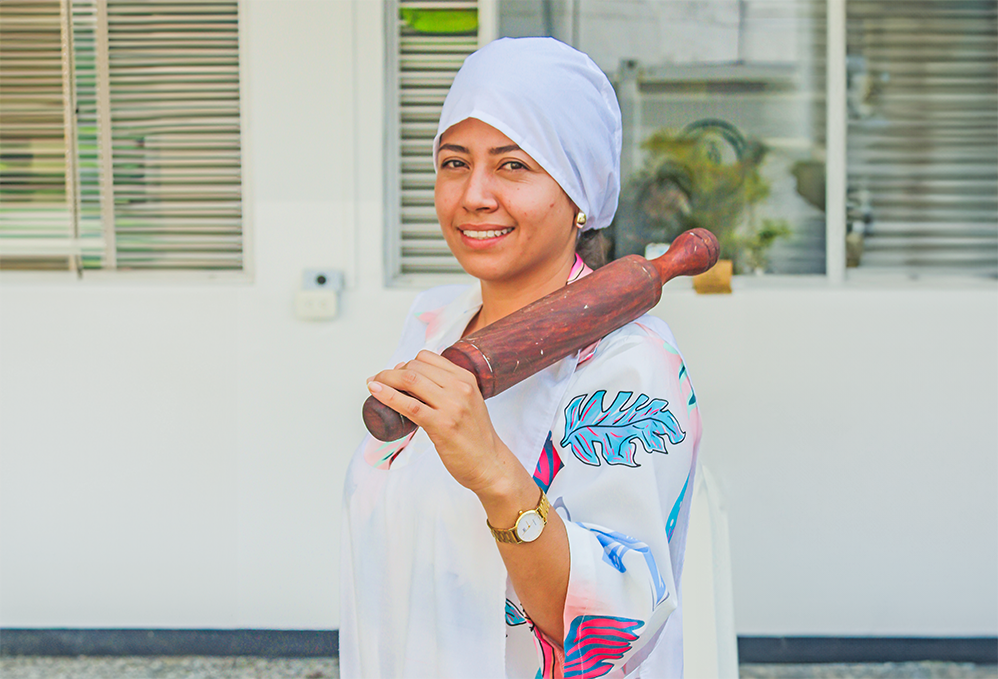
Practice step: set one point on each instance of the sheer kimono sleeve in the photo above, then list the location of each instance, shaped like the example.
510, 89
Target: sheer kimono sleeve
617, 469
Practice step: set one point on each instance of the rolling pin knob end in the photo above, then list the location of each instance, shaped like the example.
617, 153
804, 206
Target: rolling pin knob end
384, 423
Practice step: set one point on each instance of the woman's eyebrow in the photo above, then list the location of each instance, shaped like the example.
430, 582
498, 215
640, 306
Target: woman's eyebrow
499, 150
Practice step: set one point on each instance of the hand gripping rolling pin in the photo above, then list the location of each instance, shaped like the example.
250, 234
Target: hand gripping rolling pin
546, 331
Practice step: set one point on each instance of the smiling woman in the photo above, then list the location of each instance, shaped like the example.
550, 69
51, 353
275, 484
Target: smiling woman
505, 219
541, 533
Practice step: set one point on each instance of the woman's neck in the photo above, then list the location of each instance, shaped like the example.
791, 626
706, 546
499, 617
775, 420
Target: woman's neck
501, 298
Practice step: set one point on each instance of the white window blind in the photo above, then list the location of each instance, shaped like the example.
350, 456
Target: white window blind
922, 152
427, 43
151, 177
36, 205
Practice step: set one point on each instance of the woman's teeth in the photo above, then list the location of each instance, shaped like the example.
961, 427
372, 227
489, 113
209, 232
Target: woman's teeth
482, 235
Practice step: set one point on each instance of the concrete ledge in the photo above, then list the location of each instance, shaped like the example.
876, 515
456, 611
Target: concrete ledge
978, 650
325, 643
146, 642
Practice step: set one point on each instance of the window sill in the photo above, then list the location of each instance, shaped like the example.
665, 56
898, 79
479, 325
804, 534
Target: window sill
855, 280
123, 278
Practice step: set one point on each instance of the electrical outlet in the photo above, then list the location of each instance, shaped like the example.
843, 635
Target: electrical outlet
316, 305
318, 299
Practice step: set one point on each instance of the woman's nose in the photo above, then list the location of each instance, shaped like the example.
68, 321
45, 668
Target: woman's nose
479, 192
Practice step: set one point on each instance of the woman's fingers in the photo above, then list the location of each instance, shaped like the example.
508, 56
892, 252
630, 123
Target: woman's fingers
446, 402
400, 402
436, 360
429, 390
435, 368
437, 371
410, 382
427, 379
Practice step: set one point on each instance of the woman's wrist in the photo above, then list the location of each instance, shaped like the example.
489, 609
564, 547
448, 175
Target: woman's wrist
512, 491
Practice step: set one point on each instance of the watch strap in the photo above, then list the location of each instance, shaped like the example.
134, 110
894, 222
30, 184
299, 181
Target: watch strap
509, 535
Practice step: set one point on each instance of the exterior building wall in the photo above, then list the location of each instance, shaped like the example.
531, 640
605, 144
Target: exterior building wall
172, 454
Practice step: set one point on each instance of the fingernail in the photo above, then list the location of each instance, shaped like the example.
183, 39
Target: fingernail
373, 387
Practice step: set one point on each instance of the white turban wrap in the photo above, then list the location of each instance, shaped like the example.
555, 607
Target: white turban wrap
557, 105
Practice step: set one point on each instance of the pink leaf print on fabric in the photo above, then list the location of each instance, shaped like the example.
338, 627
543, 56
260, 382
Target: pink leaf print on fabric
548, 465
552, 660
432, 321
593, 643
380, 455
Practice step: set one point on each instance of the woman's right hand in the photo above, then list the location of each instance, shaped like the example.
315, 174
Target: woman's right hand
445, 401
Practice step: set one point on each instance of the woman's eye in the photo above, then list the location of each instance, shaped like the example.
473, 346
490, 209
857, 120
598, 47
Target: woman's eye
452, 163
515, 165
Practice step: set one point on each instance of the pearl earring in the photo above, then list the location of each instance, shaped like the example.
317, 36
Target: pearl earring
580, 219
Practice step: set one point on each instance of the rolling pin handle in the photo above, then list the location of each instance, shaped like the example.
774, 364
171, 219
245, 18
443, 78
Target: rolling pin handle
693, 252
384, 423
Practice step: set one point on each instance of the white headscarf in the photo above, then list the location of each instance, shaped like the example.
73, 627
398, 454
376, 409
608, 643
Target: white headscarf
557, 105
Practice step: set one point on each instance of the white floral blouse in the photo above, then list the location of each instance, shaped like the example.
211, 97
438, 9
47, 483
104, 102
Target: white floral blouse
611, 435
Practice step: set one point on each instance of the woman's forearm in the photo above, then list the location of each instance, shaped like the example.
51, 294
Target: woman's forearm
538, 570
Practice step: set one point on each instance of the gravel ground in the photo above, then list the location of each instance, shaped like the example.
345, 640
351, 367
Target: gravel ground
31, 667
34, 667
913, 670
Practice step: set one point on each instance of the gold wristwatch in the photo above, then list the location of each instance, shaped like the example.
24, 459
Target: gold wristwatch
529, 524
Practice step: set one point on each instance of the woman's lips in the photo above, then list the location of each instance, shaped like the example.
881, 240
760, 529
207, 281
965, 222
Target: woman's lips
481, 236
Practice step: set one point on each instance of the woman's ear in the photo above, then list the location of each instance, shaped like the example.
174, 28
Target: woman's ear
580, 216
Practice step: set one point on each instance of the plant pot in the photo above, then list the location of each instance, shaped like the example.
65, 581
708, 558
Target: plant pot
717, 279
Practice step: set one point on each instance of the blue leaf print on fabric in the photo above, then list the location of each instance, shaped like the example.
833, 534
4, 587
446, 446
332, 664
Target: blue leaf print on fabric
692, 402
683, 374
670, 525
615, 545
514, 616
560, 507
589, 428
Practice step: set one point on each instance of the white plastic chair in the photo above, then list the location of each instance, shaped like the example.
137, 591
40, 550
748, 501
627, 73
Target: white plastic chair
710, 644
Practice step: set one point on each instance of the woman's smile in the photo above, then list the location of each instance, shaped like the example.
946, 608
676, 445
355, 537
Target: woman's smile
481, 236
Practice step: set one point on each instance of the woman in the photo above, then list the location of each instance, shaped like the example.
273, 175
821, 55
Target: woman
541, 533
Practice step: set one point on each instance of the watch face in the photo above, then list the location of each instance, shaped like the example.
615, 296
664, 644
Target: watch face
529, 527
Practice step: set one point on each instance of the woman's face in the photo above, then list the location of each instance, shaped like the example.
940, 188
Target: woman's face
503, 216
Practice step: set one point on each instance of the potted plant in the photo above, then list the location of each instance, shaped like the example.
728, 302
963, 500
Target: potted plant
707, 175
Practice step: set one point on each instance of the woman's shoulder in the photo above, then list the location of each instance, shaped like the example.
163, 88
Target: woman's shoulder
647, 340
634, 387
437, 298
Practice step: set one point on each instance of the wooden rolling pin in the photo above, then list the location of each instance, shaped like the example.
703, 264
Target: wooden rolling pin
560, 324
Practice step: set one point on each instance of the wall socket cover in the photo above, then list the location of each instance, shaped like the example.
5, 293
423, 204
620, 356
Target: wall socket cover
316, 305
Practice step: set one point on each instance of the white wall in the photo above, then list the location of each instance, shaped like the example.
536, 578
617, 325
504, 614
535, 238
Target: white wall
171, 455
855, 435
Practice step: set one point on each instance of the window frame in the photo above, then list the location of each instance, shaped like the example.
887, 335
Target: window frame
74, 275
488, 21
836, 275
